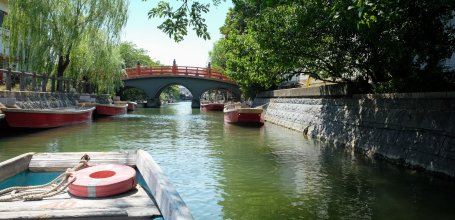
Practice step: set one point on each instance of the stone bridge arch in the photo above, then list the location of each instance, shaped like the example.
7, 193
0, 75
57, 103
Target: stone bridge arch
154, 85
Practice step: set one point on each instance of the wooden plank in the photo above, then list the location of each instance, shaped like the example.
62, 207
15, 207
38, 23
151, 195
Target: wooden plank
167, 198
13, 166
76, 204
135, 204
65, 214
48, 162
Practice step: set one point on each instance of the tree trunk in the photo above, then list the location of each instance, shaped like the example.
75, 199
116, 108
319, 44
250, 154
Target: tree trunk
63, 63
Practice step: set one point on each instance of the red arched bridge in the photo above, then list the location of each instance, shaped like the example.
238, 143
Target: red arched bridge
154, 79
147, 71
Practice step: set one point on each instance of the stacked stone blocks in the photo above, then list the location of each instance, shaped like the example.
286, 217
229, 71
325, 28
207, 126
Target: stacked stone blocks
415, 129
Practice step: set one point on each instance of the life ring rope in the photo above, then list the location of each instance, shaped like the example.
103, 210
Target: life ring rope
39, 192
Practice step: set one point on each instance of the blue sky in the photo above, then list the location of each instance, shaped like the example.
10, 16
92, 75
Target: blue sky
192, 51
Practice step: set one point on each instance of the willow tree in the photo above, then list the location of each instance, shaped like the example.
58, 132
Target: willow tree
46, 34
101, 66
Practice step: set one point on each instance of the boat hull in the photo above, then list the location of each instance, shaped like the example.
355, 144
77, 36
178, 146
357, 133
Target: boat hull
244, 117
132, 106
28, 118
212, 107
110, 110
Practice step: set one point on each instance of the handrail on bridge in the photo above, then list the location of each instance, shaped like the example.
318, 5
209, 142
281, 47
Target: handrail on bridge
145, 71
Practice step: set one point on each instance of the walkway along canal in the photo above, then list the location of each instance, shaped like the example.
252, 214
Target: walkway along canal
224, 171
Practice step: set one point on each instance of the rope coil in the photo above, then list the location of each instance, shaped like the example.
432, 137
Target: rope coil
39, 192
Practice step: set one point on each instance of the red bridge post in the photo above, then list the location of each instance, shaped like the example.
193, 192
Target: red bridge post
138, 68
174, 67
209, 69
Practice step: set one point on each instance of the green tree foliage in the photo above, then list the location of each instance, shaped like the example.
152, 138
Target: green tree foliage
46, 35
177, 21
102, 67
394, 45
131, 54
258, 49
217, 56
399, 44
133, 94
170, 92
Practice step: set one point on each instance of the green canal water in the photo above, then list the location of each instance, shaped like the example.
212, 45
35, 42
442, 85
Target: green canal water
224, 171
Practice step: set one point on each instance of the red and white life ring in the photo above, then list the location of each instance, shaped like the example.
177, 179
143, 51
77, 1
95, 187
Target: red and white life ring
103, 180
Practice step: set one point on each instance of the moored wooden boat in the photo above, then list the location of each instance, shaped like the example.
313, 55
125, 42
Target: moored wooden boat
131, 105
87, 104
47, 118
3, 123
111, 109
240, 113
141, 104
156, 197
211, 106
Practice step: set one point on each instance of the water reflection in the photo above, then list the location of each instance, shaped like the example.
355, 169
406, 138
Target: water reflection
283, 175
225, 171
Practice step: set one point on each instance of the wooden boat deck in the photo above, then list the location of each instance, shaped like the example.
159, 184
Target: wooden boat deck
135, 204
50, 162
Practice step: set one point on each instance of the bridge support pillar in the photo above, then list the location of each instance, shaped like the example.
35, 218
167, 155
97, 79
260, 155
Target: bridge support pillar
153, 103
195, 103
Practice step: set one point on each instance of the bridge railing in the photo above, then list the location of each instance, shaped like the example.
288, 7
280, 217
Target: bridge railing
146, 71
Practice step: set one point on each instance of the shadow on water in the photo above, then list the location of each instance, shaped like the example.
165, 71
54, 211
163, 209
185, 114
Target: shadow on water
243, 125
7, 132
281, 174
44, 140
10, 132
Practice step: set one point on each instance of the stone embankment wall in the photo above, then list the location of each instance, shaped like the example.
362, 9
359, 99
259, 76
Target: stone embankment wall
415, 129
44, 100
40, 100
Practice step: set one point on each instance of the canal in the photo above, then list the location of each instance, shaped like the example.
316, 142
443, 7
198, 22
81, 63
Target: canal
224, 171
